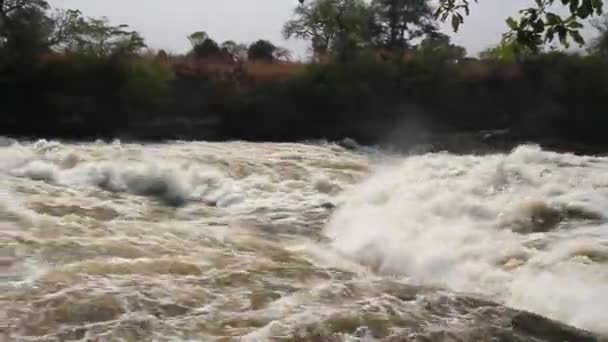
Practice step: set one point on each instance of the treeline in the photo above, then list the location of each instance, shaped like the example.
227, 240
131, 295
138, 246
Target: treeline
380, 73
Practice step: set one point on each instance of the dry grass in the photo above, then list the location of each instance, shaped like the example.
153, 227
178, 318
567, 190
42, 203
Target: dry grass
274, 71
256, 70
475, 70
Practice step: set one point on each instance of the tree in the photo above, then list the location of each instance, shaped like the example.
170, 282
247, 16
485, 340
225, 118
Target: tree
27, 37
353, 28
8, 7
67, 24
33, 30
96, 36
262, 50
438, 46
207, 48
332, 26
315, 21
233, 51
23, 27
131, 43
397, 22
197, 38
282, 54
599, 44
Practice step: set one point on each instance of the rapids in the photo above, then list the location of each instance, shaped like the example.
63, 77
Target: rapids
189, 241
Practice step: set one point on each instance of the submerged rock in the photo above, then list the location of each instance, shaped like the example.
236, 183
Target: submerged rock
328, 206
349, 144
543, 329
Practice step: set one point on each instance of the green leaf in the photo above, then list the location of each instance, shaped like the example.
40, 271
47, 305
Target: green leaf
576, 36
585, 10
512, 23
437, 12
456, 21
539, 26
549, 35
533, 14
553, 19
573, 5
563, 35
597, 5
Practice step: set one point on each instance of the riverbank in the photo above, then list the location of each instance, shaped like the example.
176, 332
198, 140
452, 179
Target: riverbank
464, 106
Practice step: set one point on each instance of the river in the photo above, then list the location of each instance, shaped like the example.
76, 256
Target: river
194, 241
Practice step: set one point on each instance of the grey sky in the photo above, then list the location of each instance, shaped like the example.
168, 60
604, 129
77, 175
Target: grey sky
165, 24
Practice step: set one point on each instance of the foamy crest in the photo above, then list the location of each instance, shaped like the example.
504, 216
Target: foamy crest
180, 175
39, 171
509, 226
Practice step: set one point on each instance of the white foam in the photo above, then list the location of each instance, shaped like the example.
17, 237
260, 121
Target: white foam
169, 183
235, 175
39, 171
455, 221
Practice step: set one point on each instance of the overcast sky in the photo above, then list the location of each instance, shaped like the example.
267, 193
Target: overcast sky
166, 24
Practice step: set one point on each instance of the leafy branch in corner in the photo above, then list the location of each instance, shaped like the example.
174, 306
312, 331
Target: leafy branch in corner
537, 25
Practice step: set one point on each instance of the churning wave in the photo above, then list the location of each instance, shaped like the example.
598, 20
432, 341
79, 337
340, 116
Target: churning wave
172, 184
525, 227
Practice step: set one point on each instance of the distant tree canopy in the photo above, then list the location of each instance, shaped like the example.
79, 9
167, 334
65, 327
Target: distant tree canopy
331, 25
340, 27
314, 21
205, 47
197, 38
9, 7
23, 28
438, 46
26, 34
395, 23
28, 29
282, 54
98, 37
262, 50
234, 51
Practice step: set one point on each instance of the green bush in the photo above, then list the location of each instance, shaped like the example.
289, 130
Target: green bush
146, 82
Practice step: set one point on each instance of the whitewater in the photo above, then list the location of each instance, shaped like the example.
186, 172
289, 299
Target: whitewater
196, 241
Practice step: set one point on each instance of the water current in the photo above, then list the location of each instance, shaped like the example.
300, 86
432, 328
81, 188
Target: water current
188, 241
